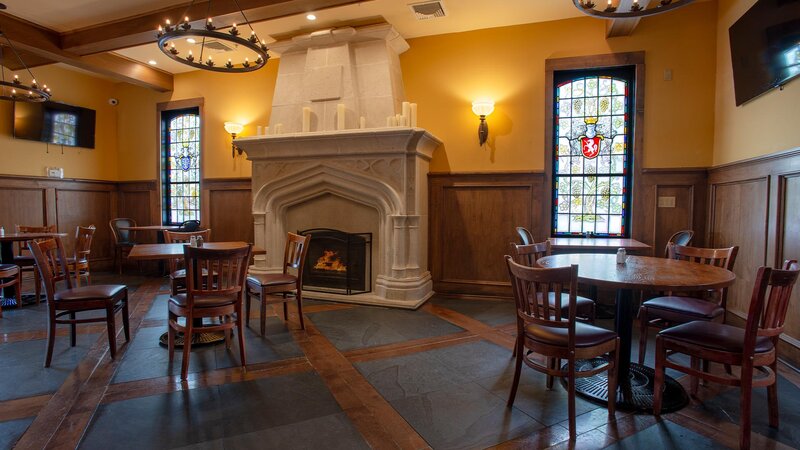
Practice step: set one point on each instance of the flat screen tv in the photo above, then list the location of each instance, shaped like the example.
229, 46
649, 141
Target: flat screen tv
54, 123
765, 47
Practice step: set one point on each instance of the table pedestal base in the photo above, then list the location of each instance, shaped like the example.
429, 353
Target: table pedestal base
198, 339
636, 396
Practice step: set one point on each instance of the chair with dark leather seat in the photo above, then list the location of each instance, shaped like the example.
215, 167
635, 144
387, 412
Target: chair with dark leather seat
51, 261
219, 298
79, 263
124, 240
294, 257
683, 237
667, 310
11, 275
525, 236
754, 348
543, 329
24, 258
177, 273
528, 255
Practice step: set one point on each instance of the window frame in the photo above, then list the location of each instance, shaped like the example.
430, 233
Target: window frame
176, 106
628, 75
606, 61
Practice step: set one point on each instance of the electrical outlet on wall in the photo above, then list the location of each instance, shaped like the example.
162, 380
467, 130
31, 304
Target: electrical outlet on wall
55, 172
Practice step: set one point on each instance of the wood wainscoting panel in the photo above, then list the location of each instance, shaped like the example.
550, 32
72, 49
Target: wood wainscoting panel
21, 206
788, 239
739, 217
472, 222
227, 205
86, 207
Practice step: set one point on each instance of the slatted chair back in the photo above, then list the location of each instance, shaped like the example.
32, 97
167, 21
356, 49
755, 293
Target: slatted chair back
23, 246
122, 236
536, 282
527, 255
83, 242
781, 283
51, 260
525, 236
719, 257
294, 255
229, 267
683, 237
178, 237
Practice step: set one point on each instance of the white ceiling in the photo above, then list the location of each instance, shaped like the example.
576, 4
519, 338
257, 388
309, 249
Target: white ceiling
462, 15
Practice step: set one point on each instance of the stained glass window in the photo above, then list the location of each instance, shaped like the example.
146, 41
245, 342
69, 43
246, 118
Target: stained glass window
181, 165
65, 129
592, 152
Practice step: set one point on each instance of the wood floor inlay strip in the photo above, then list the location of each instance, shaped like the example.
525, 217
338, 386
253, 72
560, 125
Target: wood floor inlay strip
22, 407
475, 326
408, 347
63, 420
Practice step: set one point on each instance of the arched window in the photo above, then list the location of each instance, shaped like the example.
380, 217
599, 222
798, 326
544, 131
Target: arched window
180, 165
592, 152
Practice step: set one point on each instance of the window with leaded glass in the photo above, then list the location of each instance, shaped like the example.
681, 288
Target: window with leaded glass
65, 129
180, 150
592, 154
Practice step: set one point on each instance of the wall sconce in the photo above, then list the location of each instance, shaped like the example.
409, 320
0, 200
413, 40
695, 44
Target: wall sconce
483, 108
233, 129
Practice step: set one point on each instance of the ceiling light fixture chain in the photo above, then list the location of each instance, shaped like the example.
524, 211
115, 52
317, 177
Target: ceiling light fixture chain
169, 34
614, 10
15, 90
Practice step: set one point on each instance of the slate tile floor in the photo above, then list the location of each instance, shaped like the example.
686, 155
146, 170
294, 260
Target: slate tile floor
358, 377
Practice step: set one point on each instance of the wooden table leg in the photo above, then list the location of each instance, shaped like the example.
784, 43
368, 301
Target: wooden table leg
623, 325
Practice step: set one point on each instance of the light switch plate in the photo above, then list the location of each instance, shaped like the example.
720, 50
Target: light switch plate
666, 202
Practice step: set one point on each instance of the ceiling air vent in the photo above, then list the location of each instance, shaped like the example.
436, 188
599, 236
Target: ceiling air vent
218, 46
428, 10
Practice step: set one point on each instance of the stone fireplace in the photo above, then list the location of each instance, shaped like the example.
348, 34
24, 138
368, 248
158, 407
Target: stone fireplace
370, 180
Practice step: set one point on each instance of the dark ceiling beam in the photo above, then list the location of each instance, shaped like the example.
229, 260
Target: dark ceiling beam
44, 45
624, 27
138, 30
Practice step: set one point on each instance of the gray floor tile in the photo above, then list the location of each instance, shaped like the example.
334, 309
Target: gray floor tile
666, 435
369, 326
492, 313
465, 416
408, 375
12, 430
157, 422
275, 401
332, 432
23, 362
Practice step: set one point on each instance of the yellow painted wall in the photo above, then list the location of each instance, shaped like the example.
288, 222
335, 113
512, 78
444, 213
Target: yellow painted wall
445, 73
21, 157
243, 98
764, 125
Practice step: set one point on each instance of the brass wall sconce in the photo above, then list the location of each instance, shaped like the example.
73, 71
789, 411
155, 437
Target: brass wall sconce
233, 129
483, 108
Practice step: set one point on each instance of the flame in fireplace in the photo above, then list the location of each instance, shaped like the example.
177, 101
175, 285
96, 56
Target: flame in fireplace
330, 261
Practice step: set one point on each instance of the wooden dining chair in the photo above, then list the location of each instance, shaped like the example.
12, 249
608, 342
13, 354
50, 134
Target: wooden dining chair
219, 299
124, 240
177, 272
11, 275
24, 258
527, 255
269, 284
78, 264
543, 329
525, 236
111, 298
667, 310
754, 348
683, 237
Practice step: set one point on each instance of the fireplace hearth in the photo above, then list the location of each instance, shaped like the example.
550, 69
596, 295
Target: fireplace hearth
338, 262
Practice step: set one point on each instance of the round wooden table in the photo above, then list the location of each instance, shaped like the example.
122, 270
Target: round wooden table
638, 273
7, 257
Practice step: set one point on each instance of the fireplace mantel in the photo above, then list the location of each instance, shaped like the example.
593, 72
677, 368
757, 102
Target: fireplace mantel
384, 169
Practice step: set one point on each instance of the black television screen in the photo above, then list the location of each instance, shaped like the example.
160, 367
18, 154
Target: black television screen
54, 123
765, 47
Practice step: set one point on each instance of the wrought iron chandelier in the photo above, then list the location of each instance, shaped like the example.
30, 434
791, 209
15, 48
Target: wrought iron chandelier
14, 89
620, 9
169, 34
